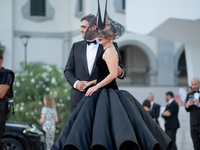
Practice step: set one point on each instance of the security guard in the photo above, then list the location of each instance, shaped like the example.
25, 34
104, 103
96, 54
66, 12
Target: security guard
6, 93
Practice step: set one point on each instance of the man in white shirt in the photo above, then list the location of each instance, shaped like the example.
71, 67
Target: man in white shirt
193, 106
81, 64
171, 118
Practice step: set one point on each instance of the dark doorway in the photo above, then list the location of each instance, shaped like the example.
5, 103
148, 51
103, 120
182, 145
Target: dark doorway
182, 69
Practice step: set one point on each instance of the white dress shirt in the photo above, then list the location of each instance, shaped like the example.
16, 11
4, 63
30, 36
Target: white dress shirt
196, 96
91, 53
152, 103
170, 101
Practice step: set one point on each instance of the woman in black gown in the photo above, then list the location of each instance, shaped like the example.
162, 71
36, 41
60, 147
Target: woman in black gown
108, 118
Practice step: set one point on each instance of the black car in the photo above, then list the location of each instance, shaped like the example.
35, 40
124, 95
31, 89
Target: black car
23, 136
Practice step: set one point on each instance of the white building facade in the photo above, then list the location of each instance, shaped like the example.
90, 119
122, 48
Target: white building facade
160, 47
53, 26
176, 21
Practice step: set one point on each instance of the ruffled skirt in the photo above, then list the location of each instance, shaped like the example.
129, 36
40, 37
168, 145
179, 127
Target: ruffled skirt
111, 120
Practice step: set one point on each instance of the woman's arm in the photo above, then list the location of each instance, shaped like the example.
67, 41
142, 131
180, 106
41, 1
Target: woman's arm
41, 121
90, 83
111, 58
56, 118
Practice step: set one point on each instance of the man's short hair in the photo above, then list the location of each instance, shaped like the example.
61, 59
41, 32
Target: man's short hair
195, 79
170, 94
151, 94
90, 18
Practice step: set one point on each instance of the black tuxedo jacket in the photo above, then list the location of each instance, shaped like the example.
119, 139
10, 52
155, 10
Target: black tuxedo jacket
194, 112
156, 109
77, 69
172, 121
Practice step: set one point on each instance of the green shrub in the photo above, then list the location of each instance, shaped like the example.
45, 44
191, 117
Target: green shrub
32, 85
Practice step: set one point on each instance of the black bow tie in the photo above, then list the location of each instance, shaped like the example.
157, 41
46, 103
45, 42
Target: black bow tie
196, 91
89, 42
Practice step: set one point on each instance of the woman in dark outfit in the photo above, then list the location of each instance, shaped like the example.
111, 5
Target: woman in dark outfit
108, 118
6, 82
146, 104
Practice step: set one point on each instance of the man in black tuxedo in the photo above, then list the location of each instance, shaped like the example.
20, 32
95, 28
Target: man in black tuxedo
171, 118
81, 65
154, 106
193, 106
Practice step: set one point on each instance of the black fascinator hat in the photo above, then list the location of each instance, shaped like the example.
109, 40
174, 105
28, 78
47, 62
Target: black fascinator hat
108, 28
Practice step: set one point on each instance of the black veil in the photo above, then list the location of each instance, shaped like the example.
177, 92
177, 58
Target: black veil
108, 28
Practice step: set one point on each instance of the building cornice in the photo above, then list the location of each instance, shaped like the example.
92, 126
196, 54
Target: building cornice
61, 35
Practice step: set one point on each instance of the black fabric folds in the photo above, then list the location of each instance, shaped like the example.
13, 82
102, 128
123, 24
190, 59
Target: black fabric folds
111, 120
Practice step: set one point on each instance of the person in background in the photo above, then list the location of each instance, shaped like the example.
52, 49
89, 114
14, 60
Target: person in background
146, 104
193, 106
6, 93
171, 118
154, 106
48, 118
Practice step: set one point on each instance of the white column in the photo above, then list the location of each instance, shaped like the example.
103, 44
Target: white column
6, 31
165, 62
192, 51
66, 51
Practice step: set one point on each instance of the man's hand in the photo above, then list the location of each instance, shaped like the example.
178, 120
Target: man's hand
80, 85
189, 103
167, 113
119, 71
196, 101
90, 83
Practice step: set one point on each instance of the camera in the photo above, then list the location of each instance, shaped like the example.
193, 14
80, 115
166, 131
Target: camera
11, 106
191, 97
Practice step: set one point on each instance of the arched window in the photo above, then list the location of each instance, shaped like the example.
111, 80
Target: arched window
182, 68
123, 4
136, 64
80, 6
120, 5
182, 65
38, 8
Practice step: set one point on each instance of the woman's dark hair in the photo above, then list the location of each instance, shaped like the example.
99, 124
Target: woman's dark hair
146, 103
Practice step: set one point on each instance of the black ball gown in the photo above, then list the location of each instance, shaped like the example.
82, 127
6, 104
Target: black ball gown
111, 119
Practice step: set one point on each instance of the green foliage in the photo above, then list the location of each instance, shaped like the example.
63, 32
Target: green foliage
32, 85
